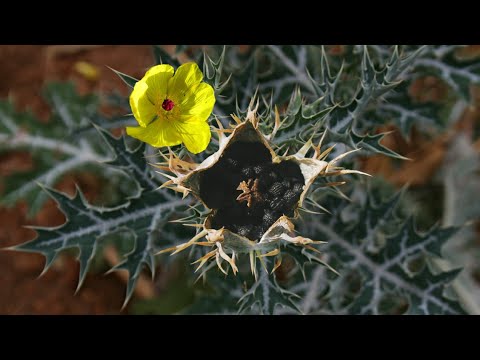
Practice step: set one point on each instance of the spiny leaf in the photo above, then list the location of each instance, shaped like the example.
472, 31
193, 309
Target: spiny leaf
408, 241
399, 109
365, 142
218, 295
12, 121
302, 257
383, 268
267, 294
293, 60
86, 225
72, 109
132, 162
127, 79
344, 121
213, 71
301, 120
53, 154
457, 71
106, 123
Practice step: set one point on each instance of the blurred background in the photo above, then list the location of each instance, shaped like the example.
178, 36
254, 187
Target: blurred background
24, 70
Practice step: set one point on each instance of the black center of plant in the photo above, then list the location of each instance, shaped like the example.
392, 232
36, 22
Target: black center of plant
248, 191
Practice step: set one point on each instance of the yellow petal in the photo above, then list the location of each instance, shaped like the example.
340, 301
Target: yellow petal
157, 79
187, 76
195, 135
159, 133
142, 108
163, 68
199, 105
186, 122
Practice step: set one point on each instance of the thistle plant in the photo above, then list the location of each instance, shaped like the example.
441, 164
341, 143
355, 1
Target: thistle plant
272, 190
244, 166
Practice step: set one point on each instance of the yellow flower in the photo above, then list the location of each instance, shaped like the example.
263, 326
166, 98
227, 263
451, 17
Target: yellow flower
172, 109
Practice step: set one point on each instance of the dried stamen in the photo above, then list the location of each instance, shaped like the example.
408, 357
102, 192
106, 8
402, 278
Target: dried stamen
251, 192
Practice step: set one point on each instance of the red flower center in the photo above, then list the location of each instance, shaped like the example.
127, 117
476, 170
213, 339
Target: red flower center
168, 104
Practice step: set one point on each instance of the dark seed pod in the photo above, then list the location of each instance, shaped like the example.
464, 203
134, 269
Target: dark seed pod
265, 180
232, 163
256, 233
289, 212
257, 153
211, 180
248, 172
225, 216
294, 181
235, 179
232, 227
265, 228
248, 153
216, 222
269, 217
260, 168
297, 188
244, 230
290, 197
277, 203
220, 220
298, 180
273, 175
286, 183
267, 197
276, 189
237, 211
236, 151
290, 169
255, 212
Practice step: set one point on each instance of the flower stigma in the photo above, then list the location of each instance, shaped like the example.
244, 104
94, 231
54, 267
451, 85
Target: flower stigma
168, 104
